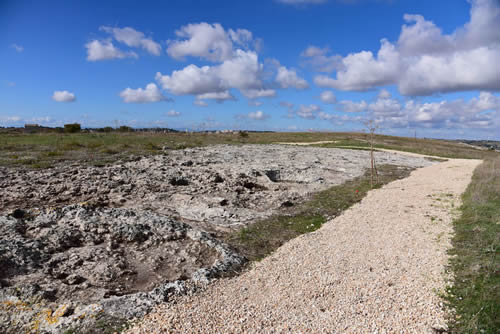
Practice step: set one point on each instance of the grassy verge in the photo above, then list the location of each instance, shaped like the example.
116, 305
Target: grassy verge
263, 237
441, 148
475, 294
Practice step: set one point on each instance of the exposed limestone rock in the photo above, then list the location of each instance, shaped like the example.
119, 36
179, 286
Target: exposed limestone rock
122, 261
141, 231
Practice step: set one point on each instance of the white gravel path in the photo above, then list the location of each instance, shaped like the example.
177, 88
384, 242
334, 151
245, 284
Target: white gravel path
374, 269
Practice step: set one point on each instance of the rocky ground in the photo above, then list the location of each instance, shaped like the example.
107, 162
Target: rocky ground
120, 260
377, 268
82, 245
219, 185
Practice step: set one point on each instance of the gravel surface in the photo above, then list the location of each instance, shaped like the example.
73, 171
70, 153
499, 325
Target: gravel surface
376, 268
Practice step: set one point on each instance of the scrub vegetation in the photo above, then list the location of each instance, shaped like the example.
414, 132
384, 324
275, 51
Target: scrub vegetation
43, 150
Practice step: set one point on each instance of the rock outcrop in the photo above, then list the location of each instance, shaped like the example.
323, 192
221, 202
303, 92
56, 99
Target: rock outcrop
144, 230
109, 262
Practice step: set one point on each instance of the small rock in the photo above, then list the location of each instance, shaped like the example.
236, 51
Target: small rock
273, 175
74, 279
218, 179
63, 310
178, 181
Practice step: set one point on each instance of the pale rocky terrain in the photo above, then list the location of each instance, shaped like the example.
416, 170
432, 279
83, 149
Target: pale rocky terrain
222, 185
83, 245
377, 268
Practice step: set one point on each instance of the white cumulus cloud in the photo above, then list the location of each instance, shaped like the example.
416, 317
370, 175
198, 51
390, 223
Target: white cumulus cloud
63, 96
321, 60
362, 71
104, 50
208, 41
288, 78
353, 107
481, 112
257, 115
173, 113
325, 116
307, 111
384, 94
258, 93
241, 72
217, 96
192, 80
424, 61
328, 97
458, 71
236, 66
253, 103
133, 38
10, 119
150, 94
200, 103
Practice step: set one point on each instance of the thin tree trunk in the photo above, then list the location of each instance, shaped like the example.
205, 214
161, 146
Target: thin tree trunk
371, 159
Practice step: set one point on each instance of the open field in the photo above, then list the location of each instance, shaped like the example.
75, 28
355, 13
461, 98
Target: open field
254, 198
46, 149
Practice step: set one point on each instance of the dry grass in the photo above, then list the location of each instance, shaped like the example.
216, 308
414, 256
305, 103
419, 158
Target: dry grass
42, 150
475, 263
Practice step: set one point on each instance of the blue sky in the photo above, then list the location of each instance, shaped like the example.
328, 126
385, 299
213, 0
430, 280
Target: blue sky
259, 65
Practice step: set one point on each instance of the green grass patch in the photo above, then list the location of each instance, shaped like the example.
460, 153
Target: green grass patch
51, 154
109, 150
263, 237
152, 146
72, 145
474, 297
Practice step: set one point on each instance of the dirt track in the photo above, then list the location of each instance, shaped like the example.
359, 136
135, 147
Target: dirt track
376, 268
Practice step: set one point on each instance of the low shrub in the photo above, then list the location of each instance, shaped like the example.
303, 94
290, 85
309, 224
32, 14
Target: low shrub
72, 128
